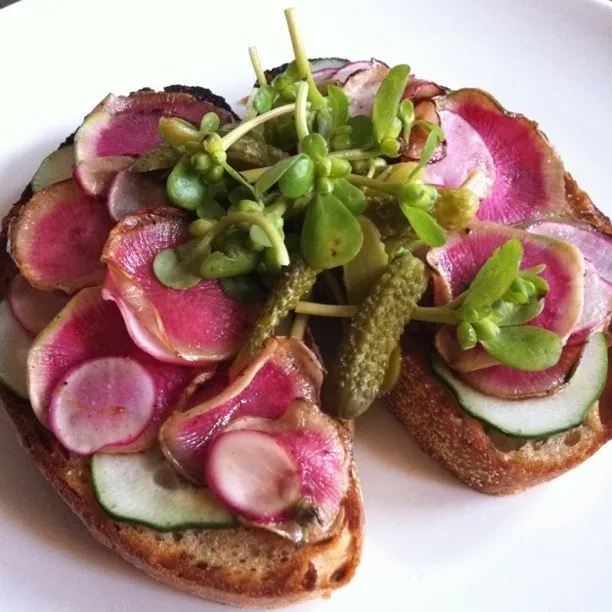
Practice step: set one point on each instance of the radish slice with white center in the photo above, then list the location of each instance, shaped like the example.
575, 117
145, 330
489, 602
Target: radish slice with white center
95, 175
253, 474
32, 308
107, 401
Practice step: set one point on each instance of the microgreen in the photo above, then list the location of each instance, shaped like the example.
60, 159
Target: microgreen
387, 101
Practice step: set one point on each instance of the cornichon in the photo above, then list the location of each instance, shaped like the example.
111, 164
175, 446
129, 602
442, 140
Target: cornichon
373, 335
295, 282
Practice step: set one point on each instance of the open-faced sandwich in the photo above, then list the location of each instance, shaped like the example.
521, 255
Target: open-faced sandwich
159, 275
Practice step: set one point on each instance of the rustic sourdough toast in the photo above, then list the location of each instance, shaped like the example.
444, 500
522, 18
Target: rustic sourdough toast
481, 457
240, 566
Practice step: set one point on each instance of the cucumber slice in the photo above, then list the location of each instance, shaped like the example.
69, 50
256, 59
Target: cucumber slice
144, 488
54, 168
14, 351
325, 63
542, 416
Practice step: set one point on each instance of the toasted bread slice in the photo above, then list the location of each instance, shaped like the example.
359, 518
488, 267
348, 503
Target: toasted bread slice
480, 456
240, 566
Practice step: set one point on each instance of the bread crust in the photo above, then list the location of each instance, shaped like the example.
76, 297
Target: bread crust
242, 566
483, 459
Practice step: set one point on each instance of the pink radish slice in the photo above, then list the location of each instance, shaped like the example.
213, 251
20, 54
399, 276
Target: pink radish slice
349, 69
528, 176
458, 262
127, 125
33, 309
101, 402
253, 474
324, 74
362, 84
57, 239
95, 175
509, 383
199, 325
597, 307
131, 193
420, 89
282, 372
596, 247
90, 328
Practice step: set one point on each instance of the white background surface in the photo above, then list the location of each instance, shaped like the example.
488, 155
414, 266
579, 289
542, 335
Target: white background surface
431, 544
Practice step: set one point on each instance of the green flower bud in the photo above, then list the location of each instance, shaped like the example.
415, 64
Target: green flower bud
200, 227
250, 206
390, 147
323, 166
343, 130
486, 329
193, 146
324, 185
341, 142
212, 143
455, 208
201, 162
466, 335
219, 157
215, 174
340, 168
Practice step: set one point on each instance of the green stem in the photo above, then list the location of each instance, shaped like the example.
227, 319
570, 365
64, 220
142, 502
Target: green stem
237, 133
253, 174
301, 60
257, 67
282, 256
301, 119
326, 310
364, 181
355, 154
298, 329
435, 315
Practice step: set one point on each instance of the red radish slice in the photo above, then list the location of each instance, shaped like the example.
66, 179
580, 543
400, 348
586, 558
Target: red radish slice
199, 325
95, 175
596, 247
509, 383
283, 371
527, 175
107, 401
320, 448
131, 193
420, 89
127, 125
58, 238
32, 308
89, 328
252, 474
458, 262
362, 84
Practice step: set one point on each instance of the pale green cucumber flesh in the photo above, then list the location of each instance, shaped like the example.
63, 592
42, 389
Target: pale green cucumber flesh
56, 167
540, 416
144, 488
15, 344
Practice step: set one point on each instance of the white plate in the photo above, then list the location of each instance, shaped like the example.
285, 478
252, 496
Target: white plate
431, 543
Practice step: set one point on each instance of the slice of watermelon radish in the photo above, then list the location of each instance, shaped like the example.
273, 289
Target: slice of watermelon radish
109, 400
421, 89
131, 193
361, 84
95, 175
281, 372
509, 383
58, 237
597, 308
458, 262
199, 325
596, 247
288, 475
87, 329
527, 175
55, 168
127, 125
32, 308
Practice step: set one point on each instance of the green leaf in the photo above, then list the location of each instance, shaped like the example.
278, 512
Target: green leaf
521, 314
184, 187
525, 348
325, 123
387, 100
247, 288
424, 226
170, 270
221, 265
315, 146
339, 104
263, 99
210, 210
362, 131
435, 136
351, 196
162, 158
210, 123
495, 276
273, 174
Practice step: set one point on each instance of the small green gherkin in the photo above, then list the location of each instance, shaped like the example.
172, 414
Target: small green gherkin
295, 282
373, 335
